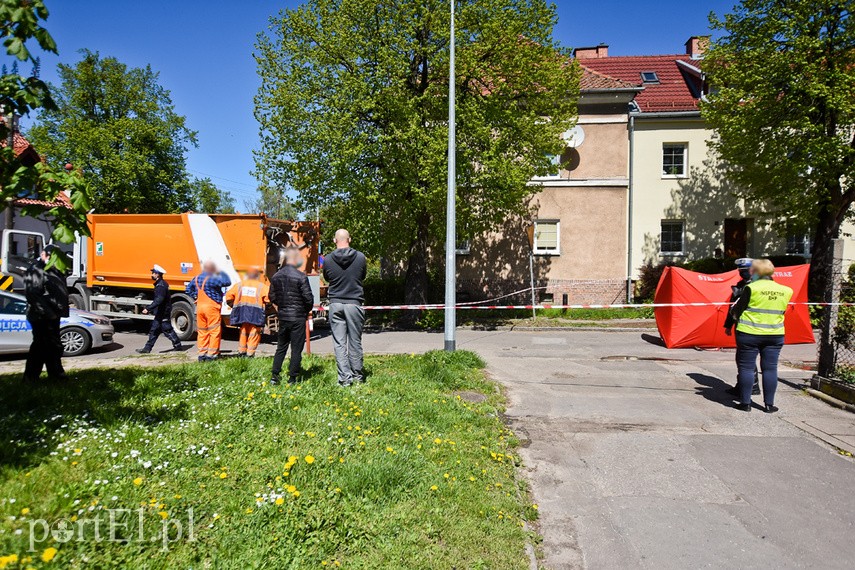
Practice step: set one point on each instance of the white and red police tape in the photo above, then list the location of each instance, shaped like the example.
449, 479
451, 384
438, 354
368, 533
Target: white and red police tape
470, 307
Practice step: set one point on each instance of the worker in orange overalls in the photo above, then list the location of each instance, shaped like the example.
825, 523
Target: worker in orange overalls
207, 288
248, 299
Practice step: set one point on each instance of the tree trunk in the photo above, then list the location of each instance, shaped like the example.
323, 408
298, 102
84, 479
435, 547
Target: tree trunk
827, 230
416, 280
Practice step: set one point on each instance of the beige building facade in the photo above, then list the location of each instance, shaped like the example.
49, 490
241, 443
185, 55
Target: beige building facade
639, 186
578, 220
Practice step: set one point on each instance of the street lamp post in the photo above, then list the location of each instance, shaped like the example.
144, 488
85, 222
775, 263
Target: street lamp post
451, 217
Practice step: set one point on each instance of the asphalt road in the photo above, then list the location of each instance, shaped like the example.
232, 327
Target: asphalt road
637, 458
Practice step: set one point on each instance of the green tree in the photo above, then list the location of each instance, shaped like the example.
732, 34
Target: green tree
211, 199
119, 125
20, 25
272, 202
353, 112
783, 110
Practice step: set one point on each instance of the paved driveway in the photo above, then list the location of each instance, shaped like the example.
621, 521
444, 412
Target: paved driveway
637, 459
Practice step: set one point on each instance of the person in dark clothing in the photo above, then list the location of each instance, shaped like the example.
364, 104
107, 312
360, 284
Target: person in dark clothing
344, 272
744, 266
161, 309
47, 303
292, 295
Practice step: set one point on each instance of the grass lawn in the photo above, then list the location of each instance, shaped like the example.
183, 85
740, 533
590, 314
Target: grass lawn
400, 472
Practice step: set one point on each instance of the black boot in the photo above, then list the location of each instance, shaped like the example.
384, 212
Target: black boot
770, 409
144, 350
743, 407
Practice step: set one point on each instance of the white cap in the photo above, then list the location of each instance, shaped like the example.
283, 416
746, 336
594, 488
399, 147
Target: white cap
159, 269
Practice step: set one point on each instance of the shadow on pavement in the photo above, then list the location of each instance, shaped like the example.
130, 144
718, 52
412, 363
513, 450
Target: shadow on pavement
712, 388
653, 339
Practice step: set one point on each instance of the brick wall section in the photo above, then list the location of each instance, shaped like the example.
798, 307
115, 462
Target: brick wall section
578, 291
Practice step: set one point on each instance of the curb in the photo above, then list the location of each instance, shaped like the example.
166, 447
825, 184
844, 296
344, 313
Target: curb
830, 400
581, 329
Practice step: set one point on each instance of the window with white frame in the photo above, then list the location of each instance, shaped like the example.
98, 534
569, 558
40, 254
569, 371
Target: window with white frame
671, 237
674, 159
547, 237
554, 165
464, 248
798, 244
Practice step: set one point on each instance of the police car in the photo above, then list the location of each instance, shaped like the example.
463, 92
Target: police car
79, 332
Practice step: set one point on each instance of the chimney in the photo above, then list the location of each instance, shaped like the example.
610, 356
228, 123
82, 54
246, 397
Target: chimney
697, 46
595, 52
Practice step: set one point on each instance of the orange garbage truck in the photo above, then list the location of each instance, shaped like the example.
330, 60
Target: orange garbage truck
111, 274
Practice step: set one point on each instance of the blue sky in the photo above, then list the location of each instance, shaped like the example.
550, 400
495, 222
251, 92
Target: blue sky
203, 52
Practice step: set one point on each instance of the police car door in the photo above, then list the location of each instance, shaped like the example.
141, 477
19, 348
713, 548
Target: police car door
15, 332
19, 249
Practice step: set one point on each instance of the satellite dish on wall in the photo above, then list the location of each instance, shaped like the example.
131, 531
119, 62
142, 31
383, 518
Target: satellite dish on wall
574, 137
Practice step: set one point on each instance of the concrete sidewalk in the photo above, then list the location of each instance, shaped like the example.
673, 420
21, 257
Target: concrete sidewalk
638, 460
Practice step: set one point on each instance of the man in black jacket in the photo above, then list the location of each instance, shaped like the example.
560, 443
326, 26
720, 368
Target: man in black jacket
47, 303
344, 272
161, 309
291, 293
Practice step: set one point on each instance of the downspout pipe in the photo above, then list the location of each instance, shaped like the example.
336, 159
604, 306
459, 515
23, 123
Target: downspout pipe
629, 216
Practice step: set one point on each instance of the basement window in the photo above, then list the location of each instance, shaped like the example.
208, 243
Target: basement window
649, 77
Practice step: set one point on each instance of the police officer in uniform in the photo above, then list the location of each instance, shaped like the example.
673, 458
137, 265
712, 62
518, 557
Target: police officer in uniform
743, 264
759, 314
47, 303
161, 309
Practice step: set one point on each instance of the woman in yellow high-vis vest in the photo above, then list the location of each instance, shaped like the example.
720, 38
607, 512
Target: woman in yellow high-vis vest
759, 315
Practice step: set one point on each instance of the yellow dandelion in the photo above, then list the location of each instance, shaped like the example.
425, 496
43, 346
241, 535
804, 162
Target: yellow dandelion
296, 494
223, 475
163, 515
309, 459
138, 481
389, 449
25, 511
434, 488
279, 500
49, 554
437, 441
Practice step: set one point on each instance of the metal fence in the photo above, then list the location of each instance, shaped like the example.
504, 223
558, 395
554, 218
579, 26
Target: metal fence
836, 347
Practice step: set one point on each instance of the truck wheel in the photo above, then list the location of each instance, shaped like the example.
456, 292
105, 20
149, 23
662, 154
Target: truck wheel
75, 341
77, 301
183, 319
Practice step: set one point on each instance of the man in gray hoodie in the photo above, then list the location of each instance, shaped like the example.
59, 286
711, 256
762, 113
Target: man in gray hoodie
344, 272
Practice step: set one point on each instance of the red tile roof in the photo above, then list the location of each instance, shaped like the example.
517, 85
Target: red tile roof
24, 150
61, 200
595, 81
676, 90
